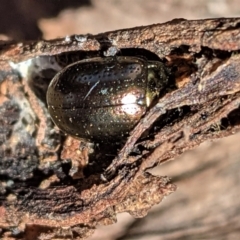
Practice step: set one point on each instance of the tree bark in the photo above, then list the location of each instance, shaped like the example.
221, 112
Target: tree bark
45, 189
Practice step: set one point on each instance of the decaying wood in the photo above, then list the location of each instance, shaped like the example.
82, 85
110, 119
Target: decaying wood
44, 192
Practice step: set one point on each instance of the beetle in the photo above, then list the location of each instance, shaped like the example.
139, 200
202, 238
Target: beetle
102, 99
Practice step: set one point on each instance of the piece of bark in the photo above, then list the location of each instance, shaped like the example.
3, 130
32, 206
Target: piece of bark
42, 192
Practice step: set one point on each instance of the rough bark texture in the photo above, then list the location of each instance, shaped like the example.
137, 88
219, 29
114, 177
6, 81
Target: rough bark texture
45, 192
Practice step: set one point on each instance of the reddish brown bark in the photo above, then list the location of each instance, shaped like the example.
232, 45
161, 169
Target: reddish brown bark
43, 189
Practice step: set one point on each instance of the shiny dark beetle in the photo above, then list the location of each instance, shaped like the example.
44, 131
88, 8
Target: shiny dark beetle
102, 99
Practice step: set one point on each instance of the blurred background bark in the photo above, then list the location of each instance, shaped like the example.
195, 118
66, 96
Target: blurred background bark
208, 177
